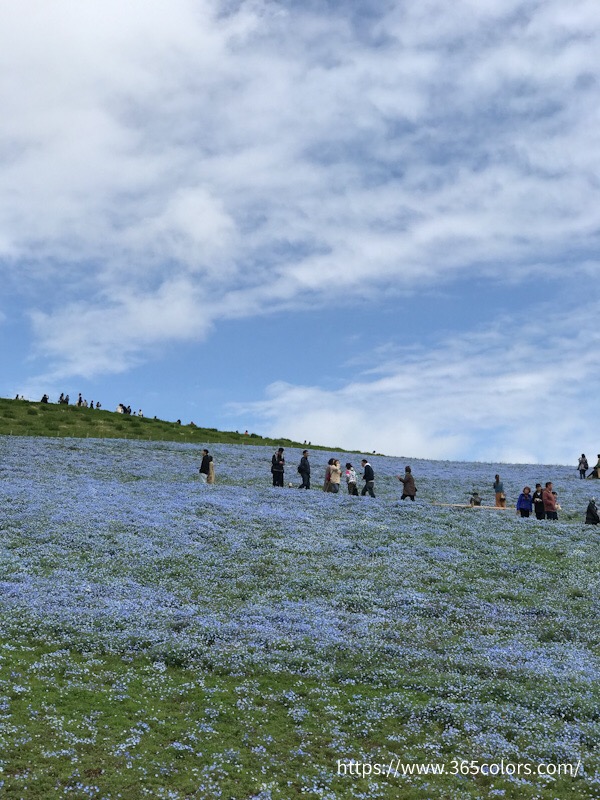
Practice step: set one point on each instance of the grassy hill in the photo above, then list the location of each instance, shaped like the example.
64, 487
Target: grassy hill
24, 418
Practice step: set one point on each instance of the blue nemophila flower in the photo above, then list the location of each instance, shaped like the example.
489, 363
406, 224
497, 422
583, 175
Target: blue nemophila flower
116, 547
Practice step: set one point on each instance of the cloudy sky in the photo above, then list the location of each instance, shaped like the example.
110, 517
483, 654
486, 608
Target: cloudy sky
367, 224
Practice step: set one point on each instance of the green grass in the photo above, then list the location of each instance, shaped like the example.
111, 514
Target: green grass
24, 418
87, 725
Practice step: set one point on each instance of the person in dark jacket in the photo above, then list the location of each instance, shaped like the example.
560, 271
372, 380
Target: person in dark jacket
538, 502
368, 478
278, 467
591, 514
304, 470
205, 465
409, 488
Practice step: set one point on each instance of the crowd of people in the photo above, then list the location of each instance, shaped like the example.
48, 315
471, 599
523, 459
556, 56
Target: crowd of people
81, 402
543, 502
333, 474
123, 409
65, 400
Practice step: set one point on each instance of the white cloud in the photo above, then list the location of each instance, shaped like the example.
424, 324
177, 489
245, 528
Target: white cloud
89, 341
508, 393
273, 155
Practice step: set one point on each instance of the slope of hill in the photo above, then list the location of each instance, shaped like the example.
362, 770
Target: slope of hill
25, 418
210, 641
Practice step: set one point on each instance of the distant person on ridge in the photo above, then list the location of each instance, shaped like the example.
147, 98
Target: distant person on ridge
583, 465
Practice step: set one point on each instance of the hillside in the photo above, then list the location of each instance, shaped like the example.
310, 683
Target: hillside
24, 418
164, 638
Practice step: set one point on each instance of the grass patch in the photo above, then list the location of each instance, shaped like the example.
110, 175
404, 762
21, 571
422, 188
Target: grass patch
24, 418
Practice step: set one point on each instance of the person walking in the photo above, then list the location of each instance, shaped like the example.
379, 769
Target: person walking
278, 467
350, 475
525, 502
499, 490
583, 466
549, 501
368, 478
409, 489
205, 466
304, 470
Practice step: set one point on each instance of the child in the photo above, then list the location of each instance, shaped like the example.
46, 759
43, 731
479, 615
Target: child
351, 479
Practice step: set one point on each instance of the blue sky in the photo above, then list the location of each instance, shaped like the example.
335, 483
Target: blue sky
372, 225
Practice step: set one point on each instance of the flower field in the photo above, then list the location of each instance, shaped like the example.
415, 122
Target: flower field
163, 638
